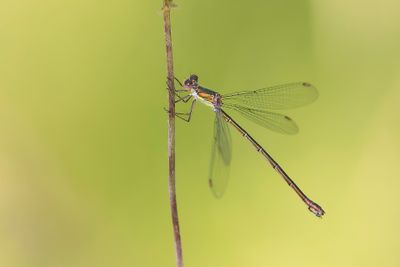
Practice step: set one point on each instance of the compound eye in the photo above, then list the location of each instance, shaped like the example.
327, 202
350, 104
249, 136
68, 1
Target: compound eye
194, 77
187, 82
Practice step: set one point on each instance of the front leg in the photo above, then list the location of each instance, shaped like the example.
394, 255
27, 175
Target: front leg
176, 79
185, 99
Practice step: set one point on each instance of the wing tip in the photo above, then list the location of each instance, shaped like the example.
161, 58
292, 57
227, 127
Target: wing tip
216, 193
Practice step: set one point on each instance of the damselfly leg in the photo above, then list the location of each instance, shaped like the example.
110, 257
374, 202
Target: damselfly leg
187, 114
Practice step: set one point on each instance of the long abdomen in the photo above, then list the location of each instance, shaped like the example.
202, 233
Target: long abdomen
312, 206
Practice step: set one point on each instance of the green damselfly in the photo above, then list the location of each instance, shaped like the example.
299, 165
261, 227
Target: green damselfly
253, 105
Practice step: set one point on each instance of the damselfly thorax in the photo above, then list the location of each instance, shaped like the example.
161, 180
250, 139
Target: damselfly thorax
206, 96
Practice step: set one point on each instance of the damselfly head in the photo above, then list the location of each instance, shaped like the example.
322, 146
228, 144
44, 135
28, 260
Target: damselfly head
194, 77
191, 82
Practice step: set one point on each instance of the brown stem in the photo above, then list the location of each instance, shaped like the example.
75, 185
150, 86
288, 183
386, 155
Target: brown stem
171, 131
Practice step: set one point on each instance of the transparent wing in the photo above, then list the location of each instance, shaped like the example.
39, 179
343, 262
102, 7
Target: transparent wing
274, 121
283, 96
220, 157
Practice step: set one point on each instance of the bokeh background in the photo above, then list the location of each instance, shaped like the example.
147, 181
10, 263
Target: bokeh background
83, 137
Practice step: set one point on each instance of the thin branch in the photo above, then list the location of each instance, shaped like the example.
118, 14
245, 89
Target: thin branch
171, 131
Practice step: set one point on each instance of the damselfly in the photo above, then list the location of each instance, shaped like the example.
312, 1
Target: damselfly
254, 106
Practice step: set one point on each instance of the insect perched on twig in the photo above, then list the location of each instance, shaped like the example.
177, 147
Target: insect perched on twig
253, 105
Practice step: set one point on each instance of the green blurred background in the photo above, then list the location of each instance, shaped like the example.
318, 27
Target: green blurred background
83, 134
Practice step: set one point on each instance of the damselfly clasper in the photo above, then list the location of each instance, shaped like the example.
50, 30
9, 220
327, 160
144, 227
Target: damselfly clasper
253, 105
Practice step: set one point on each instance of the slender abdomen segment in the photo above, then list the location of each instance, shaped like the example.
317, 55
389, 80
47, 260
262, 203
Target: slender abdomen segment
312, 206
